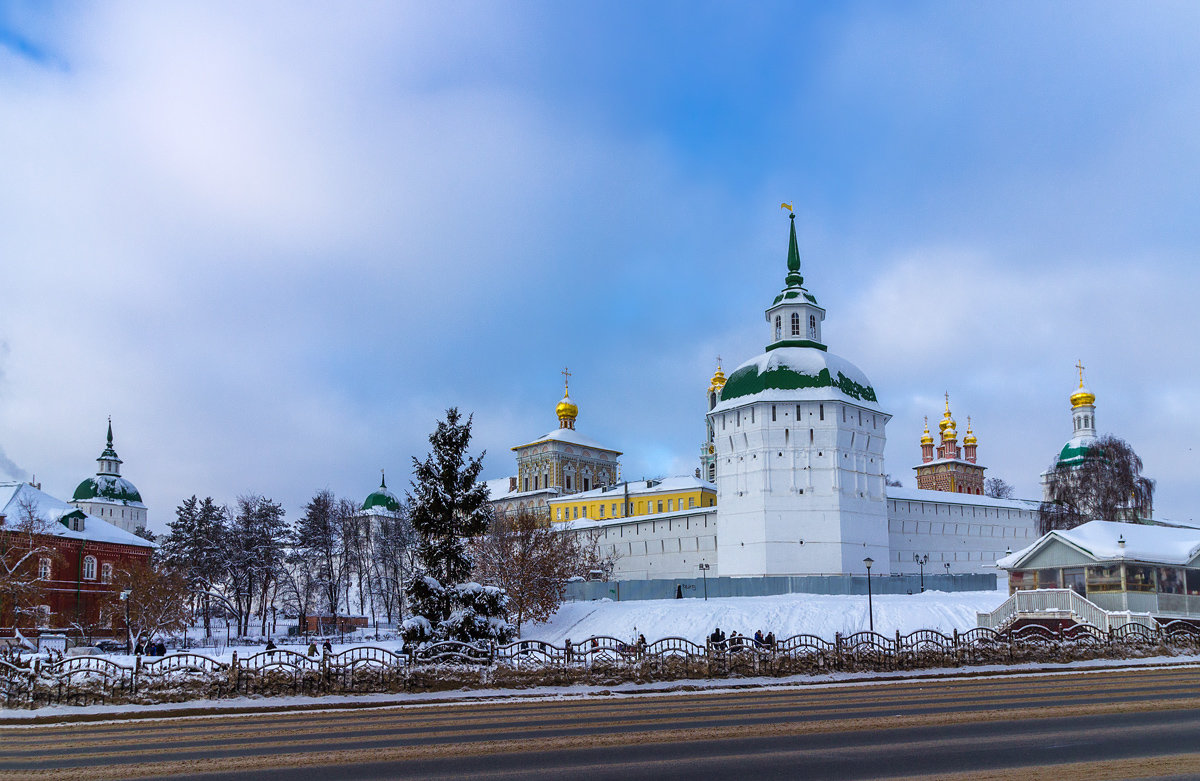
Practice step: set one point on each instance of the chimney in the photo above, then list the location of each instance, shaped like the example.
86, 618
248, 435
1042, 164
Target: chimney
512, 485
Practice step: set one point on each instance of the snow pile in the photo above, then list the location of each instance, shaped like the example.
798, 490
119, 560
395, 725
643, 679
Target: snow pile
785, 615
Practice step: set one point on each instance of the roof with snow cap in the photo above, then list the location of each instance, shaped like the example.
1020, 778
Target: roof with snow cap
57, 513
797, 373
1102, 541
570, 437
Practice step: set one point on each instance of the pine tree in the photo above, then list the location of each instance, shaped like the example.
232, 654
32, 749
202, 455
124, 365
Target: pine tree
449, 507
194, 545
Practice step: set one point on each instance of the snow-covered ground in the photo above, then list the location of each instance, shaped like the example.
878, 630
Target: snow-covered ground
785, 615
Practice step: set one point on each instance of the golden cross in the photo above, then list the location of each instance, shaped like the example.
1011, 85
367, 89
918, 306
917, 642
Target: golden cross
1079, 365
566, 373
718, 362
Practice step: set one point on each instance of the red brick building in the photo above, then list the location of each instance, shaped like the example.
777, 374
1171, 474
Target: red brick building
75, 558
952, 469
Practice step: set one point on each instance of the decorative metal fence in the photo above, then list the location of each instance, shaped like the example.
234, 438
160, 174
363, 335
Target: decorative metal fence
85, 680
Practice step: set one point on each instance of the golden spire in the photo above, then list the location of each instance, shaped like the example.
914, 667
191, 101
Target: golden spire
566, 409
969, 439
1082, 397
718, 378
926, 437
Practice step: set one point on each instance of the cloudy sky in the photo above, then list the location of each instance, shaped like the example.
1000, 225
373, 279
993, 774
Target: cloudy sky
275, 242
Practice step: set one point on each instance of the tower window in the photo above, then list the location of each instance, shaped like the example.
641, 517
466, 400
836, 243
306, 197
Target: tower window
812, 327
772, 413
821, 409
795, 323
778, 327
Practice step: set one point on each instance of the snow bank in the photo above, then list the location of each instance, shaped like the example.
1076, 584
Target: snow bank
785, 615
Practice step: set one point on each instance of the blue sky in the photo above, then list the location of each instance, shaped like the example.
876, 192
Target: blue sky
276, 241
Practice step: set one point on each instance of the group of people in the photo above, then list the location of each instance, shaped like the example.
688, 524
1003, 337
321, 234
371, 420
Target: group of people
325, 646
150, 648
739, 642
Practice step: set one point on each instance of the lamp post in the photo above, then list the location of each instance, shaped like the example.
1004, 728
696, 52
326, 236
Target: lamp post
870, 604
947, 569
704, 567
921, 562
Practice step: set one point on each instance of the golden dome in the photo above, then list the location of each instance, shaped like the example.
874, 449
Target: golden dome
949, 434
718, 380
947, 422
926, 437
566, 409
1082, 397
969, 439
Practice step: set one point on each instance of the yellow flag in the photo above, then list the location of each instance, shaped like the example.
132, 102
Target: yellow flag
787, 206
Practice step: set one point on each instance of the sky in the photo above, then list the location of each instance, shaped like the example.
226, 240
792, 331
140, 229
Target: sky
275, 242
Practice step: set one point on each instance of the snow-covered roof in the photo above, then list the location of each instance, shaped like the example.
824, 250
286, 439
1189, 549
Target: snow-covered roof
12, 494
639, 488
498, 489
950, 497
791, 374
570, 437
1102, 541
947, 461
593, 523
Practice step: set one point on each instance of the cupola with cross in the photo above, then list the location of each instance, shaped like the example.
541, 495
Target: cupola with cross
794, 316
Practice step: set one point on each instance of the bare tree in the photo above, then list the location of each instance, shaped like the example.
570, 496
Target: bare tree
393, 559
595, 562
27, 560
528, 559
997, 488
1106, 485
150, 600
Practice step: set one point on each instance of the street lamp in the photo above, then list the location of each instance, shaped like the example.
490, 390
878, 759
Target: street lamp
704, 567
947, 569
921, 562
870, 605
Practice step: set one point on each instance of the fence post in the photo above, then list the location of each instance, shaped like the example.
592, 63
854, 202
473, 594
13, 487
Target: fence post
957, 651
137, 671
33, 674
567, 646
837, 651
233, 672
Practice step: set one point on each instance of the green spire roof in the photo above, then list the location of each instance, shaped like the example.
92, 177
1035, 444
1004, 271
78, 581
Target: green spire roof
109, 454
793, 278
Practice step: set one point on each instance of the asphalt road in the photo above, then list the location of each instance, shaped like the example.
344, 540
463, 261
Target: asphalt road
1124, 724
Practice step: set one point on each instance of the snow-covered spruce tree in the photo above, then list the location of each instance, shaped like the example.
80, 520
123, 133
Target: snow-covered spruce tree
448, 507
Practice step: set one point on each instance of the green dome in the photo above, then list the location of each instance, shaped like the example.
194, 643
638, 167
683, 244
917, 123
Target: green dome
1073, 454
792, 369
107, 488
383, 499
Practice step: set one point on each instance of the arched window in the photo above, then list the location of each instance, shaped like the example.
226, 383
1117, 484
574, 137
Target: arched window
778, 327
106, 573
44, 569
812, 326
795, 323
89, 568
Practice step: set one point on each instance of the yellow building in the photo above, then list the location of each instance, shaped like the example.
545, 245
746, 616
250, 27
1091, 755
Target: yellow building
638, 498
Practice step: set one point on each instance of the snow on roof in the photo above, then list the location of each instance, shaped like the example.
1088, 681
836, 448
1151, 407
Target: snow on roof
1102, 541
808, 362
570, 437
947, 461
593, 523
949, 497
638, 488
498, 489
52, 509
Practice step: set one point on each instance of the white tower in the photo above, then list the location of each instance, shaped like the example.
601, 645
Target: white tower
110, 496
1083, 422
799, 440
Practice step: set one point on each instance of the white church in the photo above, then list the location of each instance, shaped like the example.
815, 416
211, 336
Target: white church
795, 448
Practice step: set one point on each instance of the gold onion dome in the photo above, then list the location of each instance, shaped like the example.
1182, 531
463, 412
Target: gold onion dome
566, 409
718, 380
926, 437
947, 421
969, 439
1082, 397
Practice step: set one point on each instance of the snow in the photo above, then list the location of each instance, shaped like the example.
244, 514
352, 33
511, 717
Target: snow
571, 437
945, 497
803, 360
785, 615
1101, 540
248, 706
52, 509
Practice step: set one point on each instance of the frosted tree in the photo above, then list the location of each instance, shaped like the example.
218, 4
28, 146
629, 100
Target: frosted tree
254, 557
195, 546
1107, 486
997, 488
321, 539
26, 561
448, 507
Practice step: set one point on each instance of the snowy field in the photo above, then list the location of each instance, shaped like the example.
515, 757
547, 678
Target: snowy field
785, 615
